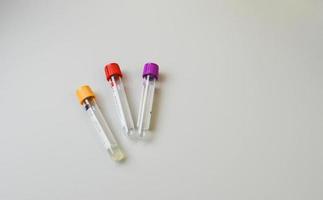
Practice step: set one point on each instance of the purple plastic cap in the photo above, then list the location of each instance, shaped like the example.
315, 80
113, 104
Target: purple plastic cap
150, 69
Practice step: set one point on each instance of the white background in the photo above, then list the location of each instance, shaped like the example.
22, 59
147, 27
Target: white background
238, 113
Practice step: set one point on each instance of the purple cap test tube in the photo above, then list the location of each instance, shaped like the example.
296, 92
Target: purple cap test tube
149, 75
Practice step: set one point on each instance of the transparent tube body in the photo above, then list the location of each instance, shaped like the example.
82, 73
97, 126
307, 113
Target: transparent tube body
122, 105
146, 104
109, 141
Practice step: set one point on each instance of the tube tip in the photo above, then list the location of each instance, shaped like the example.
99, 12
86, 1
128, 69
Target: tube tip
117, 154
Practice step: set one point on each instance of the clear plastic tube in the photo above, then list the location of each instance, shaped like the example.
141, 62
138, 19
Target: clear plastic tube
150, 76
87, 100
122, 105
146, 104
114, 76
109, 141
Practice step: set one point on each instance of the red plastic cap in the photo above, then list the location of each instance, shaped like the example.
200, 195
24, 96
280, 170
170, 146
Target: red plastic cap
112, 69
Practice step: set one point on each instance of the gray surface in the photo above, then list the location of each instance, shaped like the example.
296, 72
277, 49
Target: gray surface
238, 114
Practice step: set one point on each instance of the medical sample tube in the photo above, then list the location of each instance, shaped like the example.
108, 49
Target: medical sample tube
87, 100
150, 76
114, 76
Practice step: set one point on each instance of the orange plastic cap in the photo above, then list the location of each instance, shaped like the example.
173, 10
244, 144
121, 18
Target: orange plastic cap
84, 92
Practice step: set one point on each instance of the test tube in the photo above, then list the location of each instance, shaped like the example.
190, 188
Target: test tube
87, 100
150, 76
114, 77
